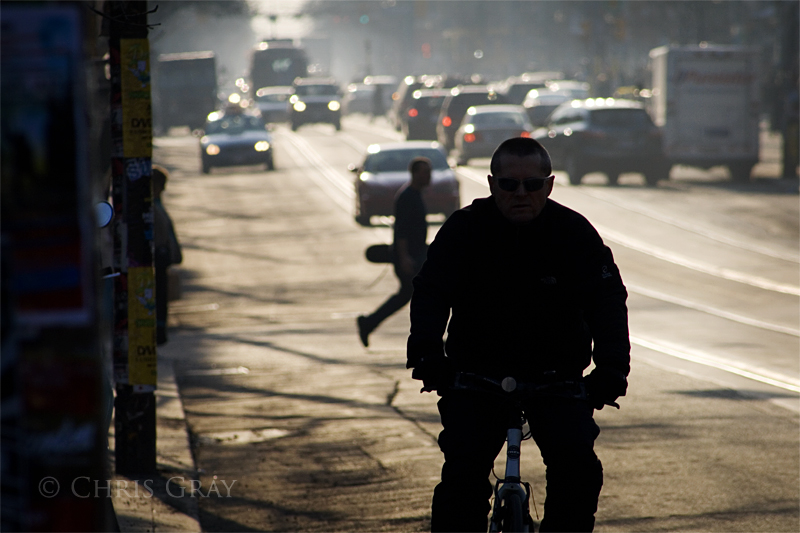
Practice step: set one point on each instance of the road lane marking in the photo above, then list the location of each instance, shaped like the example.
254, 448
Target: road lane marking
699, 266
680, 223
395, 136
660, 253
711, 310
330, 181
744, 370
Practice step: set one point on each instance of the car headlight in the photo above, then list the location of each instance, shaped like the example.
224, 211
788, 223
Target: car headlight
212, 149
299, 107
261, 146
333, 105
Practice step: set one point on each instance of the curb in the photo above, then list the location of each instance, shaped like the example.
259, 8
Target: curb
149, 505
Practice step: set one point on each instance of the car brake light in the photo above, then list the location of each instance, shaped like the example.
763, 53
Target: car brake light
525, 134
469, 137
446, 121
412, 112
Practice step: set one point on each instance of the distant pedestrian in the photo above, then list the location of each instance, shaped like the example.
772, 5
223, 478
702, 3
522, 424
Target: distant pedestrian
377, 102
409, 245
168, 251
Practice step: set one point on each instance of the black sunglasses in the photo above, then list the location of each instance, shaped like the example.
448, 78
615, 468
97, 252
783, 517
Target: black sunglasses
530, 184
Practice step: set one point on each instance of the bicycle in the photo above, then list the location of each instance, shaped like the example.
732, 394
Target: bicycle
511, 507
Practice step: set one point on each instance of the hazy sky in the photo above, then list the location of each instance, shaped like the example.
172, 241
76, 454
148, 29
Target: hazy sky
286, 26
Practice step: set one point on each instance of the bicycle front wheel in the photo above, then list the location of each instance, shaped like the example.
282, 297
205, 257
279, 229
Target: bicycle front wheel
514, 515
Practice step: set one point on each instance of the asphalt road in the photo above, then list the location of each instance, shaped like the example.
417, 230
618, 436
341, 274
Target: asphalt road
320, 434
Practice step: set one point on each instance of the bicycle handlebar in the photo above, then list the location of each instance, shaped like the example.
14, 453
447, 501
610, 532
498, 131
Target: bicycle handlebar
509, 387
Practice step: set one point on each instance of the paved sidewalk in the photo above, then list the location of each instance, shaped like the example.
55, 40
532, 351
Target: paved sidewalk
161, 502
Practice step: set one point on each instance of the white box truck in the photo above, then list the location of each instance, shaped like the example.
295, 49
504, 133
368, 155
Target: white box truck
705, 99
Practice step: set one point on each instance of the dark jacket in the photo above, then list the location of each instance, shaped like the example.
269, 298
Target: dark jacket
524, 298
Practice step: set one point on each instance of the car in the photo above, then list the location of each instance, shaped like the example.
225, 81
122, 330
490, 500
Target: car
484, 127
455, 105
543, 101
235, 137
401, 98
539, 103
357, 99
604, 135
385, 169
273, 102
419, 122
515, 88
577, 90
316, 100
385, 85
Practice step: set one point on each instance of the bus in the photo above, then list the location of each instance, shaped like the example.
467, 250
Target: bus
277, 62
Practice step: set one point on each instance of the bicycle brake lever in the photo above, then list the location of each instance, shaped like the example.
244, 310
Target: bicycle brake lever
613, 404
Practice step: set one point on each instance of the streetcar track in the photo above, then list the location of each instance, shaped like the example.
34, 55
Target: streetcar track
744, 370
657, 295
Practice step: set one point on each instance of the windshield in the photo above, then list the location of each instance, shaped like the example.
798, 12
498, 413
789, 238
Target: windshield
498, 119
398, 160
272, 98
620, 118
316, 90
235, 125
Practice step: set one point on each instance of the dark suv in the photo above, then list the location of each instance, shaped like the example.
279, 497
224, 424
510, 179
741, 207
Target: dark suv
604, 135
316, 100
419, 122
455, 105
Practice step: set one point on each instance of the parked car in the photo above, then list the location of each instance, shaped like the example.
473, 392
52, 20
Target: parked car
484, 127
385, 169
357, 99
455, 105
316, 100
273, 102
235, 137
419, 122
604, 135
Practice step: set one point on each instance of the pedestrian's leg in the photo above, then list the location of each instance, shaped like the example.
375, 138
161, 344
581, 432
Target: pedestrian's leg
472, 437
393, 304
162, 294
565, 432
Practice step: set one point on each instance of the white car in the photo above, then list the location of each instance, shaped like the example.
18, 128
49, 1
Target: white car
273, 102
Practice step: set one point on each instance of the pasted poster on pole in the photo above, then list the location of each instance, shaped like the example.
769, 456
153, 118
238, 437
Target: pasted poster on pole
142, 363
134, 76
136, 104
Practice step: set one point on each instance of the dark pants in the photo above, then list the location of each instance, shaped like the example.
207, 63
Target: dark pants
474, 433
395, 302
162, 295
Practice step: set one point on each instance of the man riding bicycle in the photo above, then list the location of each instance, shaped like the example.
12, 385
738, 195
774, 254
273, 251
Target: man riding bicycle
526, 288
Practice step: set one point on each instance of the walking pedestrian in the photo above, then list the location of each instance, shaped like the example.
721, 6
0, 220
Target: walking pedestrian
409, 244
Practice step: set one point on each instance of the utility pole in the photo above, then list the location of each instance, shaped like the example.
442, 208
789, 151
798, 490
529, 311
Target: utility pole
134, 292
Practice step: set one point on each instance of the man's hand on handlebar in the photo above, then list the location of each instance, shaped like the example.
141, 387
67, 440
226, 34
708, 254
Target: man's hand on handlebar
436, 374
604, 386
